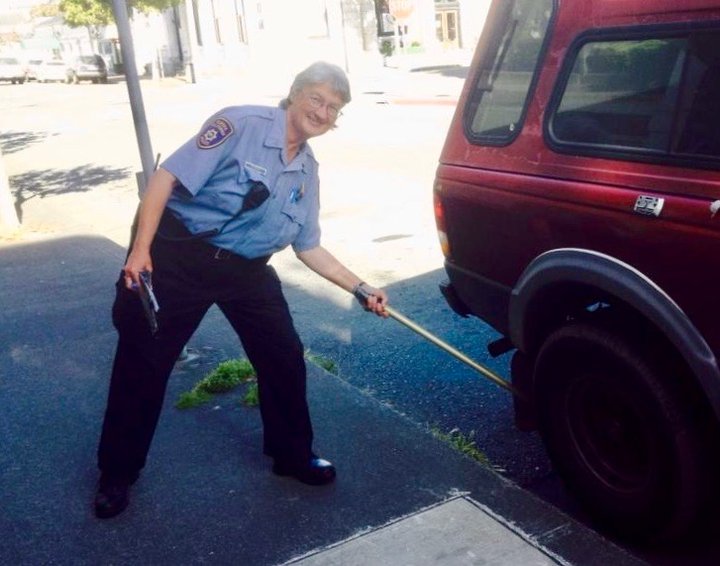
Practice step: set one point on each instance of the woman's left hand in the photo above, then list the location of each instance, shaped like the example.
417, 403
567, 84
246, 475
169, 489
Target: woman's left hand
376, 301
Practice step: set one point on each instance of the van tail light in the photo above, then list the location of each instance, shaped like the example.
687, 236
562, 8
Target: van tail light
440, 220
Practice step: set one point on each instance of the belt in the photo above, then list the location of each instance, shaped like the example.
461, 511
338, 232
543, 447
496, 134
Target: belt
221, 254
171, 229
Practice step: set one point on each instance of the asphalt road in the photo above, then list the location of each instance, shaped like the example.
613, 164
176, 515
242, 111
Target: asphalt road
71, 155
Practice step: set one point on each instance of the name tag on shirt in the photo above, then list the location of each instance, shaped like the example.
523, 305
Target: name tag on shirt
254, 167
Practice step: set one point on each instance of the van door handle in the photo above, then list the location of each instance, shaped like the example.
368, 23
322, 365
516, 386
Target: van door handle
649, 206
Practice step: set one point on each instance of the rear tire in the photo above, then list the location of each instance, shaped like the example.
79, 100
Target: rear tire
622, 434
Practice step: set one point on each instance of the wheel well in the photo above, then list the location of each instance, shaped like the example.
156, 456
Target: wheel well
564, 303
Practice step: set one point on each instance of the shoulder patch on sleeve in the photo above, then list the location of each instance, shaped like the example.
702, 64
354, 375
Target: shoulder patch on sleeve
215, 133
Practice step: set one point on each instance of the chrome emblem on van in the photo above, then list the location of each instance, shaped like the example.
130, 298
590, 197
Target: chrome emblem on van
649, 206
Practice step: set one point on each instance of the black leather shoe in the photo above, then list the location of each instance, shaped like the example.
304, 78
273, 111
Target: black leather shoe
111, 498
316, 472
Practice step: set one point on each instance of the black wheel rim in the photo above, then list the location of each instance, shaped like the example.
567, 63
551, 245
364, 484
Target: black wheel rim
611, 433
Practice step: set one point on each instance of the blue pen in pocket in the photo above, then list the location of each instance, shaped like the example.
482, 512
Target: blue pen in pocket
297, 193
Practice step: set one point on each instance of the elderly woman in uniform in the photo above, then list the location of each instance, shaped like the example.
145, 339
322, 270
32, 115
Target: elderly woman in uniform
211, 218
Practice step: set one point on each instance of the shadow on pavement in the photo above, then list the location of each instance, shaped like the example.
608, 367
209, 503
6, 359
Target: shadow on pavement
12, 142
206, 494
51, 182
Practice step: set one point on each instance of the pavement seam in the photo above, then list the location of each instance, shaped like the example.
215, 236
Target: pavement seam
532, 540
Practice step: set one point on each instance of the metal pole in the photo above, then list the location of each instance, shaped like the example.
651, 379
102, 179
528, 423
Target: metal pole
133, 85
491, 375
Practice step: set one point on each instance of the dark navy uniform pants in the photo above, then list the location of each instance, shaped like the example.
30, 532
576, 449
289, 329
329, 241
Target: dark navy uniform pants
188, 278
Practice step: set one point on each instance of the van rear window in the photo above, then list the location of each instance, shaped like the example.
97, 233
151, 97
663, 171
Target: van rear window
653, 96
515, 34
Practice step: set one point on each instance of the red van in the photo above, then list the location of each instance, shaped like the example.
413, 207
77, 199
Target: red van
577, 202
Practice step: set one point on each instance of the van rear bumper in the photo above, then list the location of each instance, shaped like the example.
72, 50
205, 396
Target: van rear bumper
451, 296
477, 296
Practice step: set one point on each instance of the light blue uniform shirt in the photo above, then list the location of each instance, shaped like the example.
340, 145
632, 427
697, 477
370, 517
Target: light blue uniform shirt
237, 148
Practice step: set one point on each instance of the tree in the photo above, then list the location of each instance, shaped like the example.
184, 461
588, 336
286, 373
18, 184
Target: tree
91, 13
86, 13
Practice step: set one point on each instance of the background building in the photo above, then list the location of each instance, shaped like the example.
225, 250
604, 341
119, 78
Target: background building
206, 37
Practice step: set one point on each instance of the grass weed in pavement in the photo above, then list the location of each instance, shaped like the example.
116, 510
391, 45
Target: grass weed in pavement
224, 378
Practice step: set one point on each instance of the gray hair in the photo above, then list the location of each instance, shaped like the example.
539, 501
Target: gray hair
320, 72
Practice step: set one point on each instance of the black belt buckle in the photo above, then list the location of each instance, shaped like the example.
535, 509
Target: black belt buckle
221, 253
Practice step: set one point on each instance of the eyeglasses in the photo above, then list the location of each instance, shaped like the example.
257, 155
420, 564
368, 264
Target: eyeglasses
318, 102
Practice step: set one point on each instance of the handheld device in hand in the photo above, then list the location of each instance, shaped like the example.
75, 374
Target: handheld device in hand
148, 300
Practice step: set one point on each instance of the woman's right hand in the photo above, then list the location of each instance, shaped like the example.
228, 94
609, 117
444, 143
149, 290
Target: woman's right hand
137, 262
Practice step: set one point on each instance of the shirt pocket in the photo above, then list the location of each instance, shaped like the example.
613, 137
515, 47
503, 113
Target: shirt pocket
294, 215
242, 192
296, 211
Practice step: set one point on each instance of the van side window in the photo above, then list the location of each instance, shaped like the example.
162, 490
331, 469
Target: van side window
516, 35
653, 97
698, 116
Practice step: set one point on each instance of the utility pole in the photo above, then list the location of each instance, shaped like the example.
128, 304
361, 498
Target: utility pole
132, 81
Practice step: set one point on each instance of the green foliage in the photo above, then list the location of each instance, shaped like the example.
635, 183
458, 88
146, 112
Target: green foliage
387, 47
79, 13
465, 444
252, 396
191, 399
326, 363
225, 377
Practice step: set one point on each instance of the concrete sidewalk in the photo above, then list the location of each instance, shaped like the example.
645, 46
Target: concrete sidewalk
458, 531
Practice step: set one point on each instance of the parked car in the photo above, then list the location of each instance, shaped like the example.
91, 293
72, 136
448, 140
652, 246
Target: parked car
51, 70
11, 70
31, 69
87, 68
576, 201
